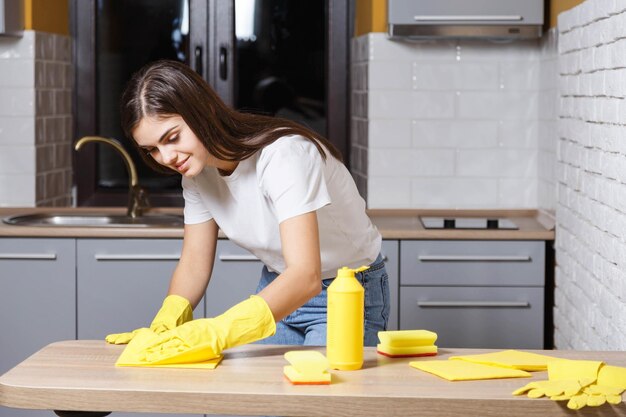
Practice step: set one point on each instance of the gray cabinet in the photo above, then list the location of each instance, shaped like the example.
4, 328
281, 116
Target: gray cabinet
37, 301
121, 283
474, 294
236, 274
390, 251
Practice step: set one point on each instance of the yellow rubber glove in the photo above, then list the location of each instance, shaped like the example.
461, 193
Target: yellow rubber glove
607, 389
175, 311
204, 339
566, 378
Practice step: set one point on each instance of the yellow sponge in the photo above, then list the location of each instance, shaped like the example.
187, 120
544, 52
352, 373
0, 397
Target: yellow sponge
406, 351
401, 338
407, 343
308, 367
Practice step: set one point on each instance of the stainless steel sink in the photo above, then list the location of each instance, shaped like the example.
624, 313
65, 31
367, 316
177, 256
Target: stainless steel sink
94, 220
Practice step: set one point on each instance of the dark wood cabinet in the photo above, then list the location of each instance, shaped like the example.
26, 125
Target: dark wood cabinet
281, 57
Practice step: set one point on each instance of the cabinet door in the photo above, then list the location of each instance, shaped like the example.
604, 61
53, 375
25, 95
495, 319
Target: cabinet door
389, 251
37, 301
236, 274
122, 283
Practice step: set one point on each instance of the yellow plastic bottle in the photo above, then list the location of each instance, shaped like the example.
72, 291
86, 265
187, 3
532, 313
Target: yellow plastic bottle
344, 336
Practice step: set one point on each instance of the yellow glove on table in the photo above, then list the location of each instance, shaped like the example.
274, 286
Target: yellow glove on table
608, 388
175, 311
203, 339
565, 379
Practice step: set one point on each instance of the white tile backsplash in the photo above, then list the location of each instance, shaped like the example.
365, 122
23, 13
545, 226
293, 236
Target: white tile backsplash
460, 75
17, 159
504, 105
411, 162
498, 163
389, 192
17, 190
389, 133
16, 130
389, 75
35, 120
518, 134
17, 101
520, 76
454, 192
17, 73
454, 134
466, 120
519, 193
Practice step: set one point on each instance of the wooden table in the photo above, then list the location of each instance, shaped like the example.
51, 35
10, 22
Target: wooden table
80, 375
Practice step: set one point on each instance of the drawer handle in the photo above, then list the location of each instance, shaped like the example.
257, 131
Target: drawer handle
491, 304
466, 18
237, 258
28, 256
473, 258
136, 257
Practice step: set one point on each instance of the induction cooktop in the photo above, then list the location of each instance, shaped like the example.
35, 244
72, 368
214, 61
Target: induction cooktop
467, 223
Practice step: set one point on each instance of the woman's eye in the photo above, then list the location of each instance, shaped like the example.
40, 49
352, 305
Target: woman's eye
172, 139
149, 151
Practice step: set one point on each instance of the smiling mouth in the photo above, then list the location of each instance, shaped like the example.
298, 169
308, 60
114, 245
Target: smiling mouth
179, 166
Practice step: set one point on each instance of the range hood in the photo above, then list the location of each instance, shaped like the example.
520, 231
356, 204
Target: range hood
492, 19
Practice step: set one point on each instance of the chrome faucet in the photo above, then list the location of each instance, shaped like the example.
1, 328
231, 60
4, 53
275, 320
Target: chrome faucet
137, 196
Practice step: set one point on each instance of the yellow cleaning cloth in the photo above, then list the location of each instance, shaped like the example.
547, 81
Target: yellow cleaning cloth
466, 371
406, 351
133, 354
404, 338
308, 367
515, 359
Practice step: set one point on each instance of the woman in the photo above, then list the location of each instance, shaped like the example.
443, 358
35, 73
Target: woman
273, 187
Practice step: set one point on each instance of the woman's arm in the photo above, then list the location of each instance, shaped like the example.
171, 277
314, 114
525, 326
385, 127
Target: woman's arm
193, 272
301, 279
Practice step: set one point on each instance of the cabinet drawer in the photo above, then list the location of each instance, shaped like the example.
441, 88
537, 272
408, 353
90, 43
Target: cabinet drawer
472, 263
476, 317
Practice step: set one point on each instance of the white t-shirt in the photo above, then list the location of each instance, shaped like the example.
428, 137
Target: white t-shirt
283, 180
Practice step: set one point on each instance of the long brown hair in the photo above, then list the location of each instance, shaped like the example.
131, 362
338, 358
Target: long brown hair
166, 88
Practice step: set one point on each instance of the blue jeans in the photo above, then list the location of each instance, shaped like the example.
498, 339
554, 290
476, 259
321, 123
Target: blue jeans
307, 325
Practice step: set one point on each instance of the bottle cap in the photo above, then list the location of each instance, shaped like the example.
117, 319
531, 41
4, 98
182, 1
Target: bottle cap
346, 272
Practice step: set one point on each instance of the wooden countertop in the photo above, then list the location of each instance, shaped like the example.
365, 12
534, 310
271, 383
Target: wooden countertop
81, 376
393, 224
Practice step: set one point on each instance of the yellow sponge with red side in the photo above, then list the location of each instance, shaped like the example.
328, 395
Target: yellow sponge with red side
407, 343
308, 367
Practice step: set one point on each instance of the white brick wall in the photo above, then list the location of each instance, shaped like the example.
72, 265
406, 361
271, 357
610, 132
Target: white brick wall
454, 124
590, 294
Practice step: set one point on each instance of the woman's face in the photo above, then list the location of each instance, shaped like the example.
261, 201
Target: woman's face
171, 143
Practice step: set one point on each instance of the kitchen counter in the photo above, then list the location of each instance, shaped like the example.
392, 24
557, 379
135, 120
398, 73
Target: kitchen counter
393, 224
81, 376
